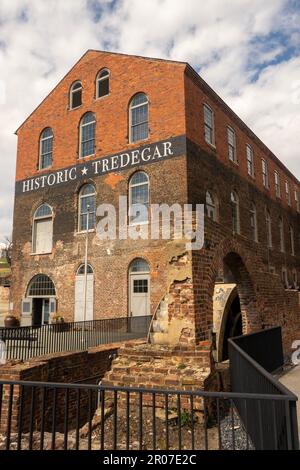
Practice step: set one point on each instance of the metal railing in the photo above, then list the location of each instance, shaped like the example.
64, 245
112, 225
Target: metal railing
52, 416
271, 424
34, 341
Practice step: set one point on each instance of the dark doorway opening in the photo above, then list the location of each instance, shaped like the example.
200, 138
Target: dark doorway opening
234, 325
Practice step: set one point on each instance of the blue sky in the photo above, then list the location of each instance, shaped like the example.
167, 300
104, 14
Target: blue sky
247, 50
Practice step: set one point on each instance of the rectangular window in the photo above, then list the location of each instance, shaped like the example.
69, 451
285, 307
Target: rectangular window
287, 193
264, 165
231, 145
250, 160
296, 200
277, 183
209, 128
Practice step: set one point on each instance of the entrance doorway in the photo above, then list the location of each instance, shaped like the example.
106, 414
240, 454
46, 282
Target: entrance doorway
139, 288
40, 301
40, 311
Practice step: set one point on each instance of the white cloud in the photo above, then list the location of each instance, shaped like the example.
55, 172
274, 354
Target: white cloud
245, 49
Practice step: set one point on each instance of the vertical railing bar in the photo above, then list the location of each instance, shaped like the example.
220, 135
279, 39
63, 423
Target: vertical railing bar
54, 420
115, 420
140, 420
232, 424
8, 429
90, 418
127, 420
78, 397
66, 419
154, 421
219, 424
275, 426
179, 421
32, 409
192, 421
167, 419
205, 424
44, 390
20, 420
102, 418
261, 435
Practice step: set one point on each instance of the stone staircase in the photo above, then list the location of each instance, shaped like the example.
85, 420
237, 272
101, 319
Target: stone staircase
159, 326
155, 366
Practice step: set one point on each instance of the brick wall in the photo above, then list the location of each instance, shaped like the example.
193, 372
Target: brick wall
76, 367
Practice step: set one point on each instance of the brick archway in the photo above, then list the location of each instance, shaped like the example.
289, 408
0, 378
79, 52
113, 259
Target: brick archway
207, 268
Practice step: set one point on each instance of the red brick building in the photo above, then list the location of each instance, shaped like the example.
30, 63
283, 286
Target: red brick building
152, 130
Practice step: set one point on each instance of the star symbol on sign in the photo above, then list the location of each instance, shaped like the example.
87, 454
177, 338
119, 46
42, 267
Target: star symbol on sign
84, 171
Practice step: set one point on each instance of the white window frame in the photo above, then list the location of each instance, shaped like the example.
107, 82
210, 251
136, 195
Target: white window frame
296, 197
130, 186
281, 235
269, 228
277, 184
212, 129
213, 206
42, 139
292, 239
100, 79
287, 192
265, 173
131, 107
80, 135
250, 160
231, 131
72, 91
80, 196
253, 213
236, 229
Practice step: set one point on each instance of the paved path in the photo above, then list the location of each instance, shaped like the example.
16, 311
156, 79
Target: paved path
291, 380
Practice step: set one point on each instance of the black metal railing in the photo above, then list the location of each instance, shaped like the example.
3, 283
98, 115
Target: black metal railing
42, 416
33, 341
270, 424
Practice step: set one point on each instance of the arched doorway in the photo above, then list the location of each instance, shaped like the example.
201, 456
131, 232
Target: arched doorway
233, 303
139, 288
84, 294
40, 300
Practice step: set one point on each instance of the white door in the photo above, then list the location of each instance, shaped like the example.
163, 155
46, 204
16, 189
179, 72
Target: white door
79, 298
139, 294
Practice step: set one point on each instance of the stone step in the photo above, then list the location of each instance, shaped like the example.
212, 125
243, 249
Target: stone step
159, 337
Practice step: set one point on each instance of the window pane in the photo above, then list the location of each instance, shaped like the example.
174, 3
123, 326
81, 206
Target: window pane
103, 87
76, 98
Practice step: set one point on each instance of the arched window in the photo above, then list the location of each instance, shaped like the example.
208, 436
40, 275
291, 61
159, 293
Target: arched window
46, 148
87, 135
41, 286
81, 270
139, 265
292, 243
269, 228
281, 234
87, 205
139, 198
211, 206
102, 83
42, 230
253, 222
235, 214
76, 95
138, 118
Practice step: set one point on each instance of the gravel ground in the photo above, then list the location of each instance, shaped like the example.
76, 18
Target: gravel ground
238, 439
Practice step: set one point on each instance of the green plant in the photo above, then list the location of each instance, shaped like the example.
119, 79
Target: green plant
57, 318
181, 366
185, 419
